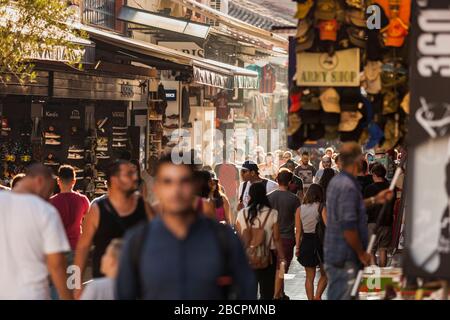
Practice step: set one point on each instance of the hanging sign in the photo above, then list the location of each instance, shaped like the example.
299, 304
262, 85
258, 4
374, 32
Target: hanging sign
427, 250
187, 47
322, 70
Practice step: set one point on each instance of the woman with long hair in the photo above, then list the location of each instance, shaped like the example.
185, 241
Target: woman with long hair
203, 181
259, 214
327, 175
220, 200
308, 246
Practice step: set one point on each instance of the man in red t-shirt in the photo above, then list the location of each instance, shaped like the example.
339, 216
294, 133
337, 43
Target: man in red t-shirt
71, 205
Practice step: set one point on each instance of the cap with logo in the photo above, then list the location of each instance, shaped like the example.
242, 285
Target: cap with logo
328, 29
329, 98
250, 166
303, 9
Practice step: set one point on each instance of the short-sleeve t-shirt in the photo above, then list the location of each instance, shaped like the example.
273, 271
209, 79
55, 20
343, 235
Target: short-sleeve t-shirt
262, 214
30, 229
286, 203
306, 173
270, 186
72, 207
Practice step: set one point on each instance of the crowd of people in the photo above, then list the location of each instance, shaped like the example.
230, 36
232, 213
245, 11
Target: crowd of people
183, 231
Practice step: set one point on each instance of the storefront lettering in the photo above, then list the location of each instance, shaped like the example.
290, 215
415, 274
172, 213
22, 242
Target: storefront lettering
51, 114
126, 90
333, 76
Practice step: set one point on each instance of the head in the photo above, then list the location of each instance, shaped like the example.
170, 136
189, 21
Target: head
258, 199
66, 178
314, 194
305, 158
249, 171
287, 156
269, 158
326, 162
329, 152
122, 176
38, 180
350, 156
327, 175
284, 177
378, 172
174, 185
203, 183
290, 165
110, 259
16, 179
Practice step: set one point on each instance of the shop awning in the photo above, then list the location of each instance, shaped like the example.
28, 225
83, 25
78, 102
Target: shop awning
153, 20
214, 73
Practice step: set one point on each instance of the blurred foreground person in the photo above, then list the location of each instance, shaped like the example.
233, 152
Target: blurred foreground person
181, 254
32, 240
110, 217
103, 288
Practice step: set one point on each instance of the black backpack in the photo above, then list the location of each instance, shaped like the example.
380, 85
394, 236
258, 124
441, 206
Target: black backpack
320, 226
220, 230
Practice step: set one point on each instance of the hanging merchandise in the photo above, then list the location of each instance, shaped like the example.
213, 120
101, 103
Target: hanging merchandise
351, 81
185, 107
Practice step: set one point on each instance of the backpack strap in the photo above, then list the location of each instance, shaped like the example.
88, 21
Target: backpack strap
266, 218
137, 245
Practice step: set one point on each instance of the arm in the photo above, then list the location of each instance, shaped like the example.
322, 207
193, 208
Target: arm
324, 215
352, 238
381, 198
90, 225
57, 264
277, 240
298, 231
226, 206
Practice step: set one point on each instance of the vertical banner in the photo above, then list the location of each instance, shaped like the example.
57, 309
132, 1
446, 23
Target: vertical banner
427, 252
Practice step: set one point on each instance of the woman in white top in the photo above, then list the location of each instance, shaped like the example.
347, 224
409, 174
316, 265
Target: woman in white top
308, 245
259, 214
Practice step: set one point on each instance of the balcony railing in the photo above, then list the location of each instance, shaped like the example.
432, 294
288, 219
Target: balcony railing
100, 13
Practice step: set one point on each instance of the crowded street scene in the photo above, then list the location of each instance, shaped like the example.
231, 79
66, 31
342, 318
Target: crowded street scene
195, 150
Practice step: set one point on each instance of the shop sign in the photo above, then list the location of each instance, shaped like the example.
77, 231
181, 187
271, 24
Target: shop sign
322, 70
427, 250
51, 114
171, 95
75, 115
187, 47
118, 114
126, 90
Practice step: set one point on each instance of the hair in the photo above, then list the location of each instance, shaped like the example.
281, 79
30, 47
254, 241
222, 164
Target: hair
66, 173
314, 194
326, 158
305, 153
218, 195
287, 153
166, 158
116, 246
349, 153
284, 177
364, 165
269, 154
327, 175
16, 179
207, 168
202, 178
329, 149
38, 170
378, 170
258, 200
113, 169
290, 162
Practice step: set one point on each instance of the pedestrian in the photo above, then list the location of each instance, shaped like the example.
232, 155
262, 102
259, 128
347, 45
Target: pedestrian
181, 254
72, 207
203, 182
325, 164
309, 250
257, 224
103, 288
305, 171
296, 184
287, 205
346, 233
268, 169
111, 216
16, 179
384, 232
364, 177
220, 201
32, 240
228, 175
250, 174
327, 175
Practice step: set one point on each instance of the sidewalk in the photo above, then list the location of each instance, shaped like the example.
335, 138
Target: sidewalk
294, 283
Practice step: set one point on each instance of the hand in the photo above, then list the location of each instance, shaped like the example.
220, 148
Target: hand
365, 258
297, 251
384, 196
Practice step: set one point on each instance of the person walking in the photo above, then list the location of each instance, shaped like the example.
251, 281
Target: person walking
268, 169
220, 201
257, 225
346, 234
327, 175
309, 250
111, 216
287, 205
32, 240
72, 206
305, 171
103, 288
326, 163
182, 254
250, 174
384, 232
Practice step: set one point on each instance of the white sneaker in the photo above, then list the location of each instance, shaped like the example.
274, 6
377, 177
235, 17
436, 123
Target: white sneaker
75, 149
120, 128
119, 133
52, 142
119, 145
51, 135
102, 155
119, 139
101, 148
75, 156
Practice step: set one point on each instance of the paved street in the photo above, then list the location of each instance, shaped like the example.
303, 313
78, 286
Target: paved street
295, 282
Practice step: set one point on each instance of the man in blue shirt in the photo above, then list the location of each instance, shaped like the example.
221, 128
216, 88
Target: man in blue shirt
346, 235
181, 254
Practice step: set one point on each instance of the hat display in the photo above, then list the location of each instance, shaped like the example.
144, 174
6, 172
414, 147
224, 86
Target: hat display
310, 116
328, 29
303, 27
357, 36
390, 102
305, 42
303, 9
356, 17
329, 98
310, 100
349, 120
350, 98
325, 9
371, 77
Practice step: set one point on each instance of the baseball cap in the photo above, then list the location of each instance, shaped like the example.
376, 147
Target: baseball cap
328, 29
325, 10
356, 17
356, 3
329, 99
303, 27
250, 166
305, 42
310, 99
303, 9
349, 120
357, 36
